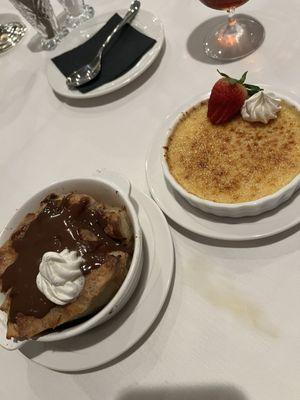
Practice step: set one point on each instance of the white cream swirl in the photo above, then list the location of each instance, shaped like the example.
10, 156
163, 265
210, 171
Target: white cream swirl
261, 107
60, 278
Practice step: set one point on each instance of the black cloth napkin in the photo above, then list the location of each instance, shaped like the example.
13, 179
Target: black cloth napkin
125, 52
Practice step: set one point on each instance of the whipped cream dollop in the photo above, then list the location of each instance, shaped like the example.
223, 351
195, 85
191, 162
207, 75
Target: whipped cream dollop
261, 107
60, 278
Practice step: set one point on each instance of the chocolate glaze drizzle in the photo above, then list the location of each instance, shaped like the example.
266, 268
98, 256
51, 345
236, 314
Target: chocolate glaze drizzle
58, 226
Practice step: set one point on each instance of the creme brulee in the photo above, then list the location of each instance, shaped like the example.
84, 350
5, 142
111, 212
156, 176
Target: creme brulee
235, 162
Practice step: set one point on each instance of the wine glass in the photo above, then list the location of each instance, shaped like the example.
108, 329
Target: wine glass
239, 36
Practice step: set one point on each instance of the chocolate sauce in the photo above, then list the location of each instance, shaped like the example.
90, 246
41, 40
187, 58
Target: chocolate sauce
58, 226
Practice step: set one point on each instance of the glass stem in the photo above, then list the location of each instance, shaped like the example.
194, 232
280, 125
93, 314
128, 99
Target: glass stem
232, 22
231, 12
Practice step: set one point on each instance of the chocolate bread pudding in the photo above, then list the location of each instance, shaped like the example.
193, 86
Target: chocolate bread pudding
237, 161
63, 262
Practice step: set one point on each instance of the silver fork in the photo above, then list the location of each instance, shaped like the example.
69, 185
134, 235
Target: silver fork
90, 71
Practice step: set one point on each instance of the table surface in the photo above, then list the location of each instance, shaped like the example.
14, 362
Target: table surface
231, 328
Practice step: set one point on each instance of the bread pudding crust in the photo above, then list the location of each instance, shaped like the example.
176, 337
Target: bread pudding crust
101, 283
236, 162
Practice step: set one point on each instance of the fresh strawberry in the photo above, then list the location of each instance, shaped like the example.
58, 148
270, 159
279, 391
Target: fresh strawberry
227, 98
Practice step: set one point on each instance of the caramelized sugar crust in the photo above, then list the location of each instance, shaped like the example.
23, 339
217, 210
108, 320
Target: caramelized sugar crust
235, 162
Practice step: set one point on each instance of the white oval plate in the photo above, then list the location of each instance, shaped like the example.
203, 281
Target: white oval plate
144, 22
110, 340
180, 211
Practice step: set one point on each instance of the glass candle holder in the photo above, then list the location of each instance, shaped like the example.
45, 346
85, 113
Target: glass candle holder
40, 14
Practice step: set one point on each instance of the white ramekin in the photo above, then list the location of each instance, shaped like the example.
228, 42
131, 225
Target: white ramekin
112, 189
237, 210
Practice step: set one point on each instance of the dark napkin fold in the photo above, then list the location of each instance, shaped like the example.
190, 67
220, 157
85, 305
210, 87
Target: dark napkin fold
125, 52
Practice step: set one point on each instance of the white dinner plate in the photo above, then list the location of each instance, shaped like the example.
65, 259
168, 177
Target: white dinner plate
112, 339
144, 22
180, 211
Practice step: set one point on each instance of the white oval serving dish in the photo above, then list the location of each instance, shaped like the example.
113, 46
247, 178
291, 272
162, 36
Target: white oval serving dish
237, 210
112, 189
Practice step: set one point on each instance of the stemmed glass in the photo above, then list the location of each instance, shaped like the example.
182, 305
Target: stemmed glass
77, 12
236, 38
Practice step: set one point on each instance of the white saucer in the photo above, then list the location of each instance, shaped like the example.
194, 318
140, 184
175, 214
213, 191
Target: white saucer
107, 342
144, 22
194, 220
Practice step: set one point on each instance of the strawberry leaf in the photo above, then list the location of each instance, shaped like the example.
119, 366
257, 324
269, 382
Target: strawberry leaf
222, 74
252, 89
243, 78
232, 81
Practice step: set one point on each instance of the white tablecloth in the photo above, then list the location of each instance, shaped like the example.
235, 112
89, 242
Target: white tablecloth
231, 329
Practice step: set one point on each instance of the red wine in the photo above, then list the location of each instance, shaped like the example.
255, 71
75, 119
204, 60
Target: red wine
223, 4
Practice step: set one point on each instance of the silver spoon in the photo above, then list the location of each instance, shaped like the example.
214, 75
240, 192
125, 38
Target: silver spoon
90, 71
